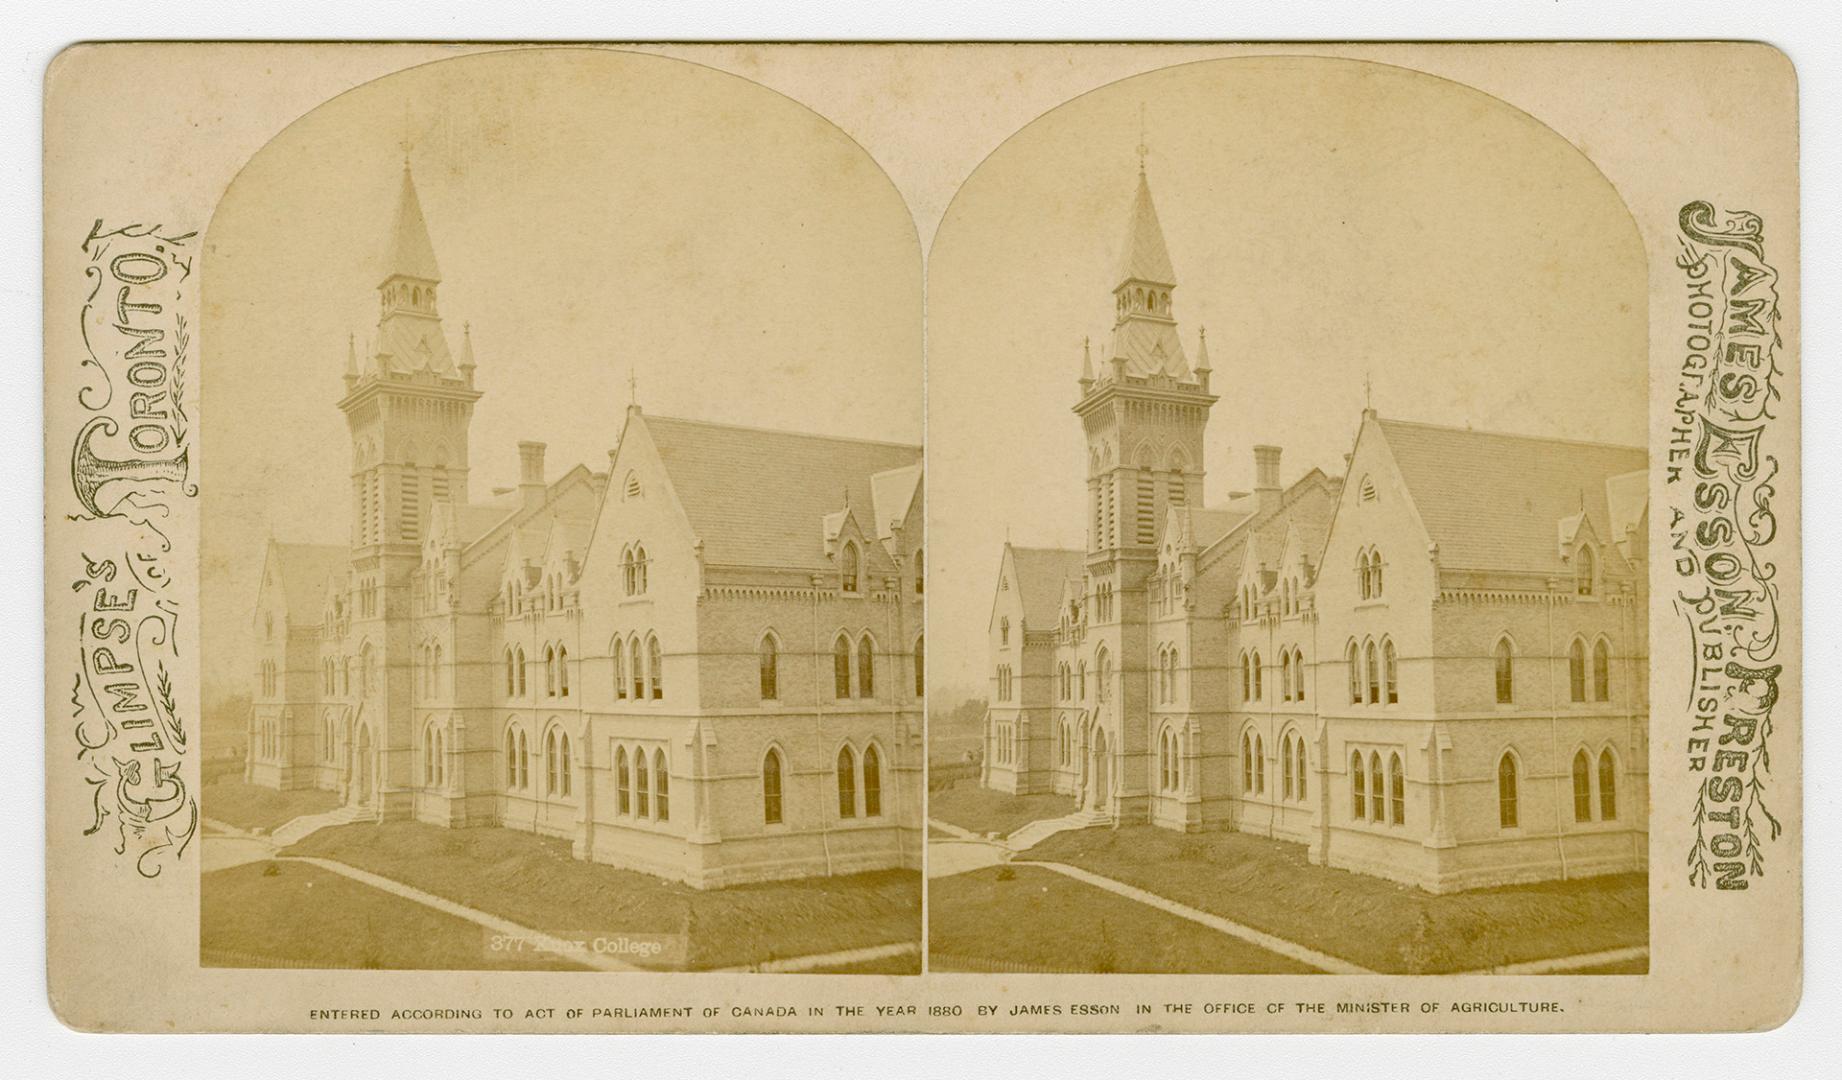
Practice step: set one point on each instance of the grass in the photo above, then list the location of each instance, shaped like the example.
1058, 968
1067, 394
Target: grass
1268, 885
248, 806
1025, 918
534, 881
269, 914
982, 810
906, 964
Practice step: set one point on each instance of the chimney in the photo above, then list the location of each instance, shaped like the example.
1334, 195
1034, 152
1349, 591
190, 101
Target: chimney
1266, 476
531, 472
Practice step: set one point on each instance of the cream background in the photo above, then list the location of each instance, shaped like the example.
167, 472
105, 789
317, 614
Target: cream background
1664, 123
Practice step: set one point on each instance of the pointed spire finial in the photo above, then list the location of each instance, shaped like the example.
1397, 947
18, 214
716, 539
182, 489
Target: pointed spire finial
1368, 392
408, 141
1142, 148
633, 387
1202, 348
1087, 362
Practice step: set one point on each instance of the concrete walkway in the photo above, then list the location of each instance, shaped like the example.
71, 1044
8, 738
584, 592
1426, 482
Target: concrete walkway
1324, 961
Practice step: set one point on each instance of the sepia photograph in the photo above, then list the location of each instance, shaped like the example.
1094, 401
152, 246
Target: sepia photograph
562, 532
1291, 526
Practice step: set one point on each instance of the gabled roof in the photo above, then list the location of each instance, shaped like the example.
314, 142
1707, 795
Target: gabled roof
1262, 537
410, 253
756, 497
892, 493
303, 571
1494, 502
485, 524
1040, 574
411, 343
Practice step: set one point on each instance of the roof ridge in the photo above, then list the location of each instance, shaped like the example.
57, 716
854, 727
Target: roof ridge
783, 431
1511, 435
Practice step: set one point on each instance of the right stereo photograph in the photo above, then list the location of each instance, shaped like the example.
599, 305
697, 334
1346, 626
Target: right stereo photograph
1289, 608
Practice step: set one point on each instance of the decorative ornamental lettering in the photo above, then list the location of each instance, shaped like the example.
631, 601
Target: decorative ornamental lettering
1722, 472
129, 470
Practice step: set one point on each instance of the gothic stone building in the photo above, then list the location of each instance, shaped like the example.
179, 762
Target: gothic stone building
1432, 669
704, 663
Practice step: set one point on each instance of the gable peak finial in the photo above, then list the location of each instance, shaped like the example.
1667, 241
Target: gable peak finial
633, 387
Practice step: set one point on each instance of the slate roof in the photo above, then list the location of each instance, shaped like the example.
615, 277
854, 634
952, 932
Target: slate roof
757, 497
1040, 574
1493, 501
1143, 256
410, 253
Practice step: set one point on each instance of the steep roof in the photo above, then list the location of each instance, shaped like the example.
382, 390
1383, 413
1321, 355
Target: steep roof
1262, 537
891, 494
1144, 257
1492, 501
1040, 574
410, 253
304, 570
757, 497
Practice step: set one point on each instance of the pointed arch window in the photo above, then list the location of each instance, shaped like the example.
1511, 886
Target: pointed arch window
563, 765
637, 664
1397, 791
1608, 786
1081, 679
866, 667
1298, 748
1247, 679
1359, 803
1576, 670
1354, 664
770, 668
1377, 811
623, 790
872, 782
1583, 572
920, 573
770, 788
1285, 678
1247, 763
1374, 672
1390, 685
642, 802
1004, 630
920, 667
1506, 672
524, 762
662, 787
511, 758
550, 762
549, 671
1104, 668
617, 655
562, 668
1602, 671
841, 668
511, 675
1506, 791
1298, 675
847, 783
1285, 765
1582, 787
850, 572
655, 667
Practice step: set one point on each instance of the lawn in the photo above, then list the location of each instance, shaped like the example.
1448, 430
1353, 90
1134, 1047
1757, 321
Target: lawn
248, 806
268, 914
534, 881
1027, 919
906, 964
1268, 885
982, 810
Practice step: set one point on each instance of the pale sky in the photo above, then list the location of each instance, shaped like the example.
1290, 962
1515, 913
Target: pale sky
1328, 221
594, 214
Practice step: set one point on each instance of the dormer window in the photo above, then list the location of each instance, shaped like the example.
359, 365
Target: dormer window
850, 569
1583, 572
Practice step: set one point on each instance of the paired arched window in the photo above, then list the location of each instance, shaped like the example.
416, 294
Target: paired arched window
1004, 630
850, 573
770, 788
1583, 776
1374, 678
847, 783
1004, 682
623, 783
1391, 687
633, 568
1253, 764
517, 760
433, 746
662, 786
1292, 765
1506, 791
655, 667
1170, 761
770, 668
1506, 672
1397, 791
1369, 574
